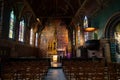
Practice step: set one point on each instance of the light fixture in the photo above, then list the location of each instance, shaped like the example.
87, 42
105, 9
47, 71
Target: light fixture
87, 25
89, 29
38, 19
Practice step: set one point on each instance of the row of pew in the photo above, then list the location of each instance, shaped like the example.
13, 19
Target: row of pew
89, 70
24, 69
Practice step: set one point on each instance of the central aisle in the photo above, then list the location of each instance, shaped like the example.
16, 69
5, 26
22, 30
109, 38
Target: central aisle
55, 74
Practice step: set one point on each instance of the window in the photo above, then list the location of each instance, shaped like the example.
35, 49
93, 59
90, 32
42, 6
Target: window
78, 32
85, 24
36, 40
73, 37
31, 36
21, 31
11, 25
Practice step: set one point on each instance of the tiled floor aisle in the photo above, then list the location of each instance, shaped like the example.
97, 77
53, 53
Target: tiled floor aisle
55, 74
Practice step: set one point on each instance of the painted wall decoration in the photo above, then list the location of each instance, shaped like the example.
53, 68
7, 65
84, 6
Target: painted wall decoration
62, 37
54, 37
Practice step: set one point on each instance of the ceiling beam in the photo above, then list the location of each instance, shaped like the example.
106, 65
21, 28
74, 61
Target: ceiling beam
29, 8
79, 11
81, 8
67, 17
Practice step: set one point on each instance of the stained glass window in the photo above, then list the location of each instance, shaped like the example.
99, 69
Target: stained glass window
31, 36
21, 31
11, 25
85, 24
36, 40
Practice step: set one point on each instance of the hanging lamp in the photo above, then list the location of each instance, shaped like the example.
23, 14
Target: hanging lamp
87, 25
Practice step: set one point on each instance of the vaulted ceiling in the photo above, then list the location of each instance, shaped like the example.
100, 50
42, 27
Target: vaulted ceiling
70, 11
67, 10
55, 8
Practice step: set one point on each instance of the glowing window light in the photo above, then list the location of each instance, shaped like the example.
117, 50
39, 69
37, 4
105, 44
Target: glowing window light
11, 25
31, 36
85, 24
21, 31
36, 41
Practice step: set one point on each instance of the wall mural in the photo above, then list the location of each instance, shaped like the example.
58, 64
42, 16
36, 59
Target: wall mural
54, 38
62, 37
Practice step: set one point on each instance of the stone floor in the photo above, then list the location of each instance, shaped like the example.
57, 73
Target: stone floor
56, 64
55, 74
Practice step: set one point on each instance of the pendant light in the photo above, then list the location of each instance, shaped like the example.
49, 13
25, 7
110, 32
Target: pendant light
87, 25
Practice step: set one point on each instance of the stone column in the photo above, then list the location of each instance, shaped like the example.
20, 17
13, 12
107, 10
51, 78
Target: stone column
106, 46
107, 52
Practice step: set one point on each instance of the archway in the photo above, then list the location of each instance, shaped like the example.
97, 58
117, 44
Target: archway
112, 33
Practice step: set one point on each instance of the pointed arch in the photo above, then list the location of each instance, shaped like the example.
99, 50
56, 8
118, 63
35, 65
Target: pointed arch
109, 29
113, 35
